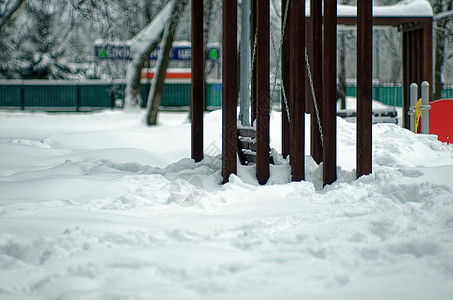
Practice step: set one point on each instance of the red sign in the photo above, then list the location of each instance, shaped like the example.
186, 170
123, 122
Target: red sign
171, 74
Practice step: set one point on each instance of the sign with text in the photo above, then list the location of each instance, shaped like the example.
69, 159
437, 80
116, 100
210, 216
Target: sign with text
123, 52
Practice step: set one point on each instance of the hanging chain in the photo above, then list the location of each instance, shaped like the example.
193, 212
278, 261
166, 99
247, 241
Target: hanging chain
314, 97
277, 68
286, 103
253, 52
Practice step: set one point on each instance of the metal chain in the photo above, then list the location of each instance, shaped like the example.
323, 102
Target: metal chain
253, 52
314, 97
277, 68
286, 103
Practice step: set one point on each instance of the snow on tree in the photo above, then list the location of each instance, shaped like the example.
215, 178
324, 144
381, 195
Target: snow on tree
142, 44
7, 10
155, 95
443, 36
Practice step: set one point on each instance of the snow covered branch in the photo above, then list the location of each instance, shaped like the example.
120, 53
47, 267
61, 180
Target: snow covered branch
142, 44
7, 10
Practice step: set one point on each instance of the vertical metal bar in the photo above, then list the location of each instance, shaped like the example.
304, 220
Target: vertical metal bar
197, 91
244, 115
298, 89
253, 18
22, 97
316, 70
406, 81
428, 56
286, 81
329, 92
413, 75
78, 97
425, 107
263, 98
229, 89
419, 46
364, 86
413, 96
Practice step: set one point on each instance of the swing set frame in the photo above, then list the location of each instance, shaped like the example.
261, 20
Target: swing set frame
318, 33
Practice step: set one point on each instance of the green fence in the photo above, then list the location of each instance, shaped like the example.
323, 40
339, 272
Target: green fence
93, 95
388, 94
447, 92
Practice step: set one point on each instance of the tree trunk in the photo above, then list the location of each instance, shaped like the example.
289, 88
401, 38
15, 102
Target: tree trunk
157, 88
440, 6
141, 47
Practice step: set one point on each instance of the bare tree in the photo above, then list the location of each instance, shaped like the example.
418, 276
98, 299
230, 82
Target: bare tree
7, 10
155, 95
443, 31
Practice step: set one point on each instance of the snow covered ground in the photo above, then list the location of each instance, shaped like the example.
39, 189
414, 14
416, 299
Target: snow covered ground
99, 206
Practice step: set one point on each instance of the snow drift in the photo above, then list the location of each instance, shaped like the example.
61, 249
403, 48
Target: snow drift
99, 206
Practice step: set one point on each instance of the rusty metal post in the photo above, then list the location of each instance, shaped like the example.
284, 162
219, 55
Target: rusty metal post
298, 89
364, 87
253, 18
406, 81
428, 56
197, 91
229, 88
329, 92
286, 81
316, 70
262, 92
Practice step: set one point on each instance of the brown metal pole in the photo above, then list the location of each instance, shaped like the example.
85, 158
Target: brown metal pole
364, 86
413, 62
286, 81
298, 89
428, 56
263, 98
329, 92
316, 71
229, 89
253, 17
419, 58
197, 91
406, 79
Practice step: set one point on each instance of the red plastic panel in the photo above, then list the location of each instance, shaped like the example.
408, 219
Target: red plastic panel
441, 120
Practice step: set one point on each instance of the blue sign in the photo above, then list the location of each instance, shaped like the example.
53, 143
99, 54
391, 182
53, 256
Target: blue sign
123, 52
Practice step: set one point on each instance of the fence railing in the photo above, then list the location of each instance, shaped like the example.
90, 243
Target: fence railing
93, 95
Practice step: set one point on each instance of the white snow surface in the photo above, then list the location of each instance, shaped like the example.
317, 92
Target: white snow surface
99, 206
405, 8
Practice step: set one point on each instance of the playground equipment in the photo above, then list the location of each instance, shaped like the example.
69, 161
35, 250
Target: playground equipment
441, 120
419, 109
434, 117
317, 33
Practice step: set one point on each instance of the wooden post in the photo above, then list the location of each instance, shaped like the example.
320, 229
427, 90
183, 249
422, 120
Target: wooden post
364, 86
253, 18
329, 92
286, 81
197, 91
229, 88
262, 92
298, 89
316, 71
406, 82
428, 57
